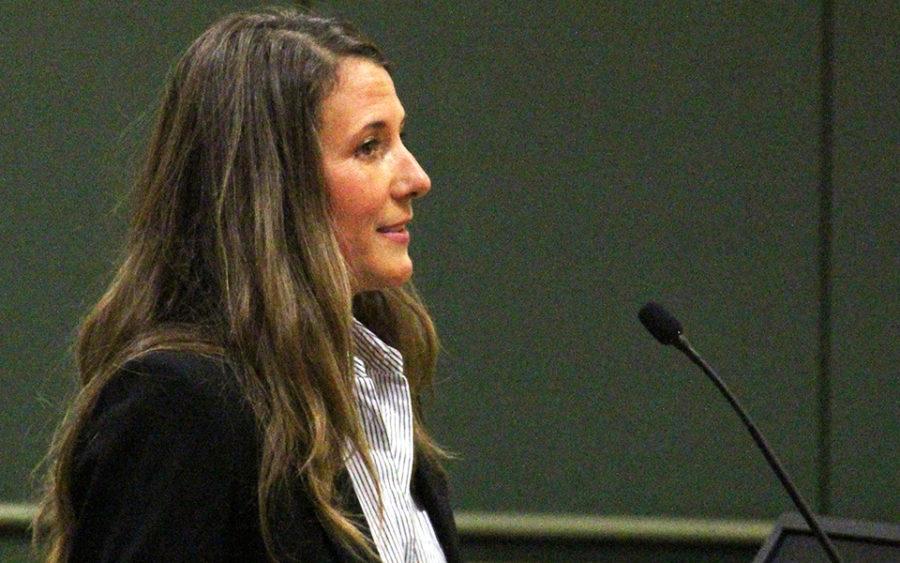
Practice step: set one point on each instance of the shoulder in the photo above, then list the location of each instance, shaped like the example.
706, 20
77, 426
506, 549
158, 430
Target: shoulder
200, 384
166, 464
170, 397
184, 370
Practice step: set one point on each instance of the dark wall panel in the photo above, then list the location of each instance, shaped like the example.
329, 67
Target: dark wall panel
79, 86
585, 159
866, 261
14, 551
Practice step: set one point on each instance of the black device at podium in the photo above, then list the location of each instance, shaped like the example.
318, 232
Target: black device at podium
855, 541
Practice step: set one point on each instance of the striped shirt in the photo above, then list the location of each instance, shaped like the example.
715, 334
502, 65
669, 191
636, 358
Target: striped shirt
405, 534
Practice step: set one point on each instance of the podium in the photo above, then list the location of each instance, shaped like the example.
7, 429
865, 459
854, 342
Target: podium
855, 541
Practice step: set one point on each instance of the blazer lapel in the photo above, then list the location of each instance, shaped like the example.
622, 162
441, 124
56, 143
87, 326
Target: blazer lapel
302, 534
430, 489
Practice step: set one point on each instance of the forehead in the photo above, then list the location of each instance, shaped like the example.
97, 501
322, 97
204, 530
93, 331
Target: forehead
364, 92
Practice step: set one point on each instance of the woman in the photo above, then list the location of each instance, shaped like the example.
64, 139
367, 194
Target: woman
252, 378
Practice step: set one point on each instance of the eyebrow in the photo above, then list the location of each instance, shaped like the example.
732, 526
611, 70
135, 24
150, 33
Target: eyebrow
379, 125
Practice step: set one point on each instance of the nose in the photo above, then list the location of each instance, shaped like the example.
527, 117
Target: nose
413, 180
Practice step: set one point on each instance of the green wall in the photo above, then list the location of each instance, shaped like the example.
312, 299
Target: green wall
591, 157
866, 282
585, 157
79, 80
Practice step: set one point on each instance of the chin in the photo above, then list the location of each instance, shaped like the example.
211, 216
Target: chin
396, 280
385, 278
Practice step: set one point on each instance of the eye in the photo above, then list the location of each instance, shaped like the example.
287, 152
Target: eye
368, 148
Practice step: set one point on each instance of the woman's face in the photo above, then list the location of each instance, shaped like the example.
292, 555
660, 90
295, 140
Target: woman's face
370, 175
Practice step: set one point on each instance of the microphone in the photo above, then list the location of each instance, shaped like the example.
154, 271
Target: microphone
667, 330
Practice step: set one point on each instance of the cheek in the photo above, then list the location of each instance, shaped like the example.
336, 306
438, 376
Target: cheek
350, 210
355, 214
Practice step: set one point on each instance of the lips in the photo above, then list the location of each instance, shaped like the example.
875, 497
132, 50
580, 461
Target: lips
398, 227
393, 229
395, 233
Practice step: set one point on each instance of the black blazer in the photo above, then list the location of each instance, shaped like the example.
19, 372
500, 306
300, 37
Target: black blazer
166, 467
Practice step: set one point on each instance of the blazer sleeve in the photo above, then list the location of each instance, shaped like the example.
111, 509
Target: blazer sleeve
164, 470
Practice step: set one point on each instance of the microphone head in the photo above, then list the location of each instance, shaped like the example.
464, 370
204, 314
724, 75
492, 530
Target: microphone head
660, 323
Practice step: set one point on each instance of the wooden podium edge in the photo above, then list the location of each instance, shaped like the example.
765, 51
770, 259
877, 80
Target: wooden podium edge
15, 520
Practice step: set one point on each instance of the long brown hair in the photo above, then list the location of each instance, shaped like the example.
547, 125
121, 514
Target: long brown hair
231, 253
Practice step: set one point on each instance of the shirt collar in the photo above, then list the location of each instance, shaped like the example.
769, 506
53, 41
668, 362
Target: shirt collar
374, 353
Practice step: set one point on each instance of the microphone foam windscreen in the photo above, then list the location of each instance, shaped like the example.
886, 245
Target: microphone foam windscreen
660, 323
